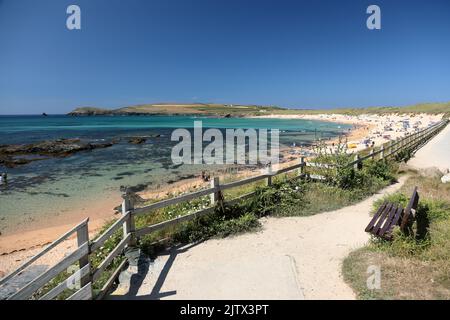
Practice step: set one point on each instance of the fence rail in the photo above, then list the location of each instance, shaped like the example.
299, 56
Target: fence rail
86, 248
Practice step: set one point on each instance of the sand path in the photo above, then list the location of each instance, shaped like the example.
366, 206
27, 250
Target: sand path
290, 258
436, 153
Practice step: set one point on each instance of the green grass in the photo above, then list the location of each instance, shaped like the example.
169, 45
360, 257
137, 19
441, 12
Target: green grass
214, 109
432, 108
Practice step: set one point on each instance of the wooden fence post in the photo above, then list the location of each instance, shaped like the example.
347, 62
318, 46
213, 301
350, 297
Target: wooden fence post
302, 170
398, 145
215, 195
372, 154
382, 152
82, 238
356, 165
128, 225
269, 178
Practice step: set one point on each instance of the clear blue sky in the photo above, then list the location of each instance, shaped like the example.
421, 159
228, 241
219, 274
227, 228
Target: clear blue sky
312, 54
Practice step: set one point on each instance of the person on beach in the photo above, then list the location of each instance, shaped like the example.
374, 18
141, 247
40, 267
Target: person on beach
3, 179
205, 176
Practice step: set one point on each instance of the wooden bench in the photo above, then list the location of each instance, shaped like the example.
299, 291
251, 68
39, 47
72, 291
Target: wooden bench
390, 215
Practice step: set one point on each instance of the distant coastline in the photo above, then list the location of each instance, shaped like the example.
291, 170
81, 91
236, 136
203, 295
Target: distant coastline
240, 110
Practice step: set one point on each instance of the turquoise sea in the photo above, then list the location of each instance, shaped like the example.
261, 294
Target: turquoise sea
54, 186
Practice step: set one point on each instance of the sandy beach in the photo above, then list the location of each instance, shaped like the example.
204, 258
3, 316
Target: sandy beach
371, 127
17, 246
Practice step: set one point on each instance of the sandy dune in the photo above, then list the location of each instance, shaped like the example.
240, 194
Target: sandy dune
290, 258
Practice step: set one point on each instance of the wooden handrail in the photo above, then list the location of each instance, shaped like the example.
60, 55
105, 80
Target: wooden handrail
45, 250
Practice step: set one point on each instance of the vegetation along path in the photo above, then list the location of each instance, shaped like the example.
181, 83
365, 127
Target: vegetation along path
290, 258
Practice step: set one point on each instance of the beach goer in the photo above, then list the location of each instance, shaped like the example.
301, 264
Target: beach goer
205, 176
3, 179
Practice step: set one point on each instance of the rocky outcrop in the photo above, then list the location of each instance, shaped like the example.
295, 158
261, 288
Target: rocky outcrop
11, 162
137, 140
10, 155
90, 111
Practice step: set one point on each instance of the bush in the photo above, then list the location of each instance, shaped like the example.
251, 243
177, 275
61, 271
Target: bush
383, 170
282, 198
403, 155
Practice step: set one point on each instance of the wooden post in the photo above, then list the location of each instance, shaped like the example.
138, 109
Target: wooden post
372, 154
414, 140
128, 225
356, 165
82, 238
215, 195
269, 172
302, 170
389, 147
382, 152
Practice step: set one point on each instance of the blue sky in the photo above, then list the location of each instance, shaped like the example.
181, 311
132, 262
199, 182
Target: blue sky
310, 54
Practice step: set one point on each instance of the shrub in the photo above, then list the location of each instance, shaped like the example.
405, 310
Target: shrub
383, 170
403, 155
282, 198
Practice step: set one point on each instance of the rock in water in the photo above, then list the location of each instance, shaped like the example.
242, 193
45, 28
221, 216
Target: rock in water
137, 140
10, 154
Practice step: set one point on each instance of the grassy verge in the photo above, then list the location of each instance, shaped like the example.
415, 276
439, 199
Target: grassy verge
412, 267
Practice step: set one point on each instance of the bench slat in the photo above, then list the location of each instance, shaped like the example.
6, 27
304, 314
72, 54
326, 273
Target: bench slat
375, 217
394, 222
390, 207
387, 227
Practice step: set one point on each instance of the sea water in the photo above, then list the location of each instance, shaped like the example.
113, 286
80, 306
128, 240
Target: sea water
57, 185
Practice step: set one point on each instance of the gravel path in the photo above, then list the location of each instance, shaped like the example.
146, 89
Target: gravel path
290, 258
436, 153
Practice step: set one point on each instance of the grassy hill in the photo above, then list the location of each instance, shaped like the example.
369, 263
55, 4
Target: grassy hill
433, 108
229, 110
182, 109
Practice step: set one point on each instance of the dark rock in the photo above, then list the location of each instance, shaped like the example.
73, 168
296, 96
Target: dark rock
11, 162
56, 148
137, 140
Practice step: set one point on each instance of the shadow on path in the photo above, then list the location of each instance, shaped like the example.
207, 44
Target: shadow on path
155, 294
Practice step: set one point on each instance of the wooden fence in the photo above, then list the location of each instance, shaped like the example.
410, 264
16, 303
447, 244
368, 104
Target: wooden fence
87, 275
